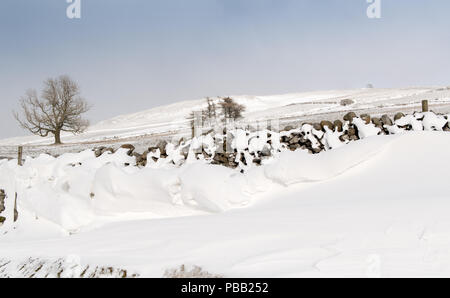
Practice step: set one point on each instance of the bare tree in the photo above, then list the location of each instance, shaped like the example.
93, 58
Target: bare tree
211, 110
209, 115
191, 118
231, 109
59, 109
195, 121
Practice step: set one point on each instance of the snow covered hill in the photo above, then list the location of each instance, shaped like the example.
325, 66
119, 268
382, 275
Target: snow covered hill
374, 207
171, 120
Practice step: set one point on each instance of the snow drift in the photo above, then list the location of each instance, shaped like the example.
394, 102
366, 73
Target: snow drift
74, 189
384, 214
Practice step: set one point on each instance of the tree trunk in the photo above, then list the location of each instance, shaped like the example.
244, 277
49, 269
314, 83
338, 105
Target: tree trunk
57, 137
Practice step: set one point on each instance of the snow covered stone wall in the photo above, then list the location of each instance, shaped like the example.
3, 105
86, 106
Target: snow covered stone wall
240, 149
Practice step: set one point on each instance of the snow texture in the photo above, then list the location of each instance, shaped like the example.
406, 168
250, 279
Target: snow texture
376, 207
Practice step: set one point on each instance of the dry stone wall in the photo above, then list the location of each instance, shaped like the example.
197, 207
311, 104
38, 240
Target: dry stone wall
240, 148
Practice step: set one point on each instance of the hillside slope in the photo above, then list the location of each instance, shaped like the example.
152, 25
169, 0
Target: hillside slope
171, 120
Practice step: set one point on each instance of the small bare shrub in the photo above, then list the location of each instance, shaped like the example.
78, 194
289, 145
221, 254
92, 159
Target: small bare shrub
194, 272
347, 102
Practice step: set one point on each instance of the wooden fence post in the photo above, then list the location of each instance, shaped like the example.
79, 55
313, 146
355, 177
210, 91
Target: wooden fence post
2, 205
424, 106
16, 214
19, 156
20, 163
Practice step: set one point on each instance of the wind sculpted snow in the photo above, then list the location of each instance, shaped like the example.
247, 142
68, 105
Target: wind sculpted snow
377, 207
73, 189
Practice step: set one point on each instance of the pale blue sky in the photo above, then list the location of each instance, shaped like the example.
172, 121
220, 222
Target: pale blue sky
131, 55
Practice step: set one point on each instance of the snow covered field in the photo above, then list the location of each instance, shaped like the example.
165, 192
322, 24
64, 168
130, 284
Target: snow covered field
374, 207
146, 127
